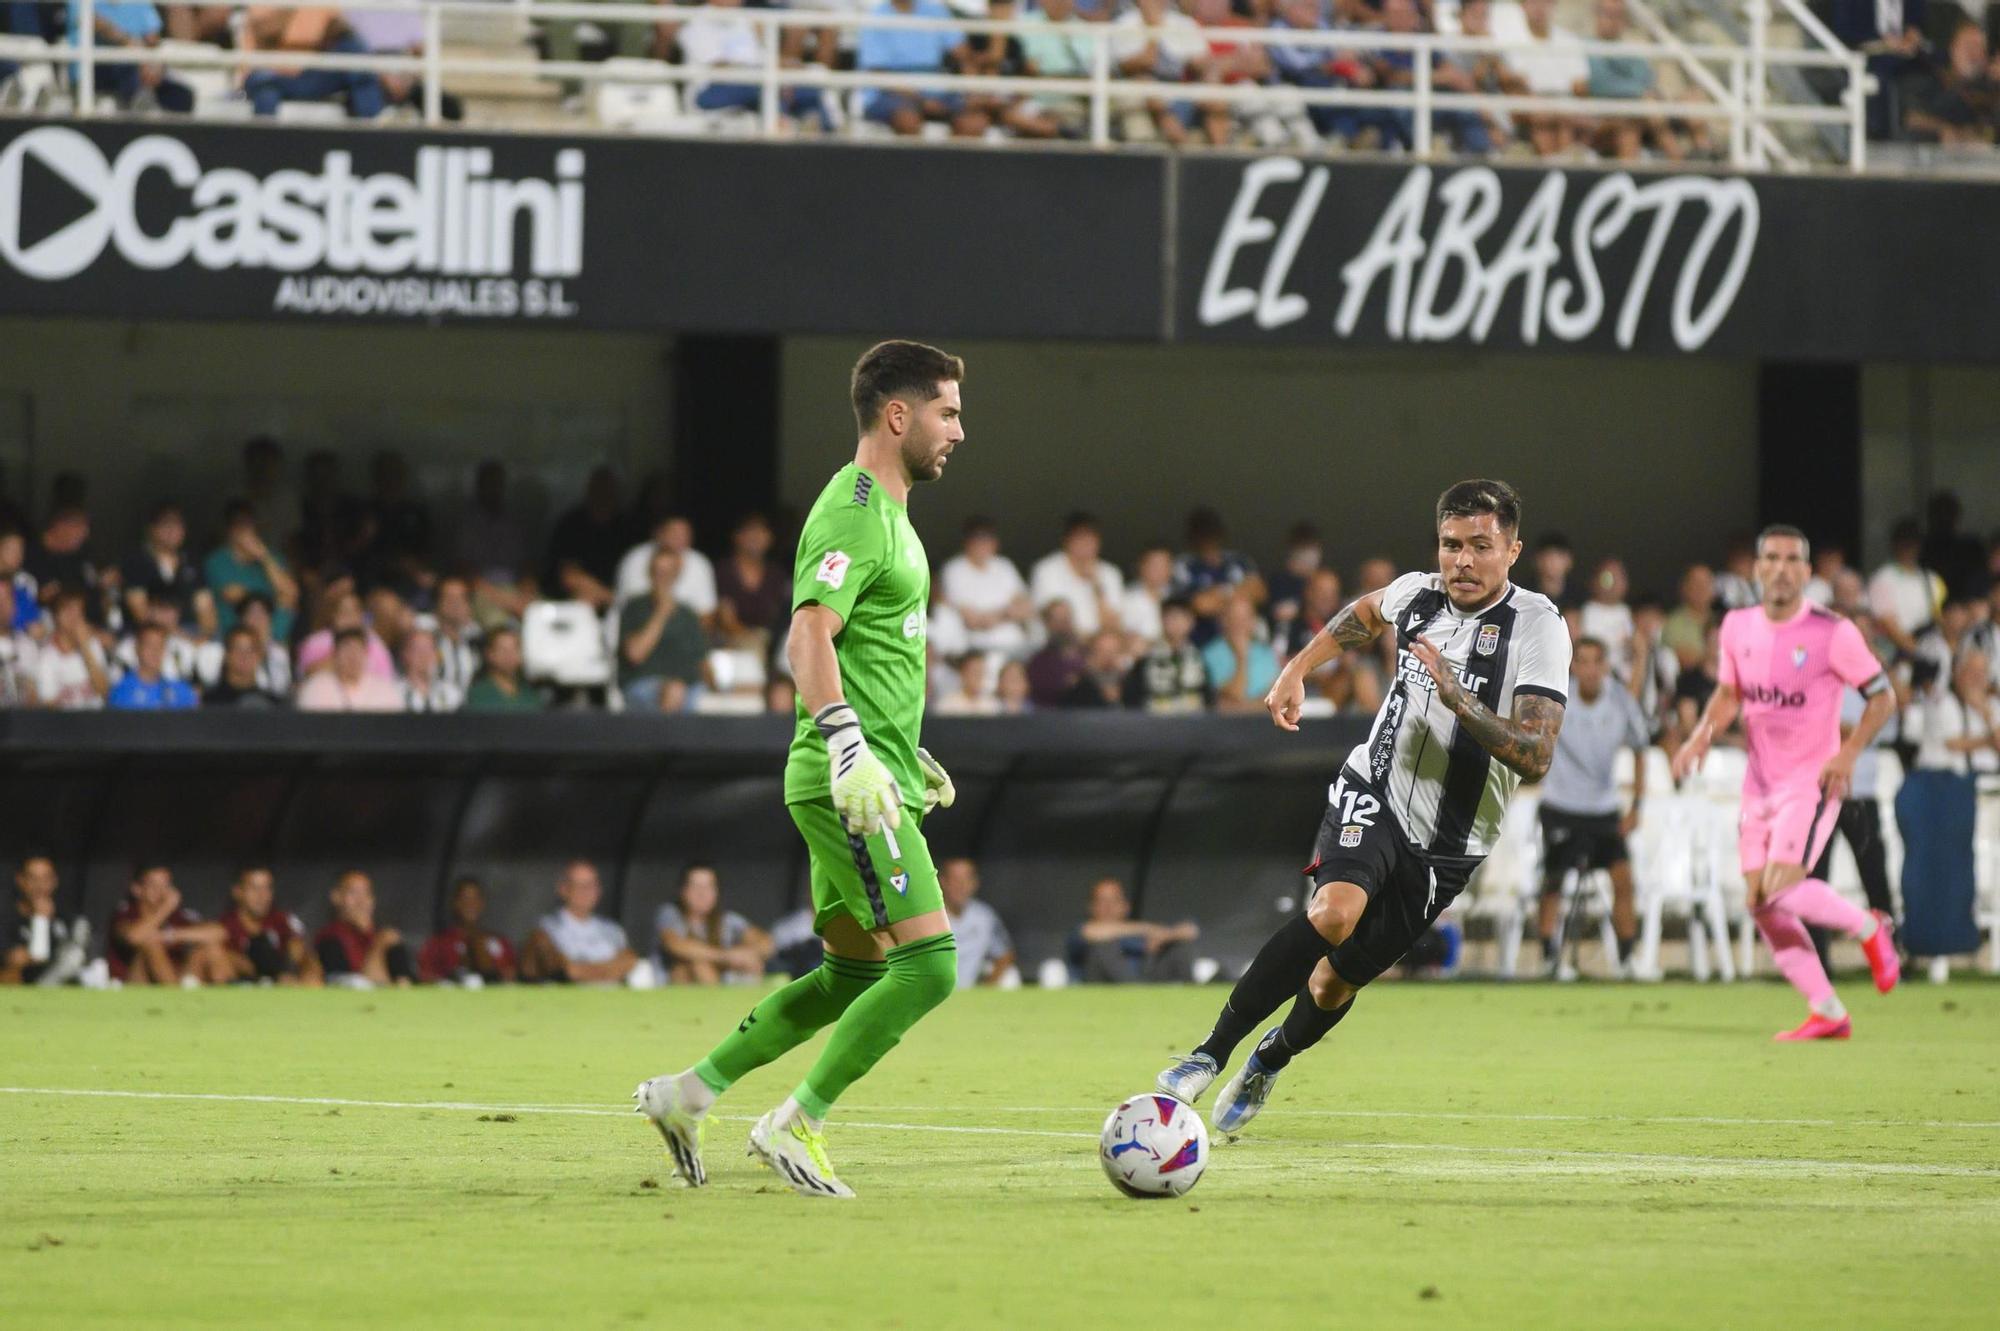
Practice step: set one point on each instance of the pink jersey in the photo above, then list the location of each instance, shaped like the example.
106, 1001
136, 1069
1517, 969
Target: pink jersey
1790, 677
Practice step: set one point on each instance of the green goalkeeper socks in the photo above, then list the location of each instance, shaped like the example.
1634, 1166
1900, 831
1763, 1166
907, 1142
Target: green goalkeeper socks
921, 976
789, 1017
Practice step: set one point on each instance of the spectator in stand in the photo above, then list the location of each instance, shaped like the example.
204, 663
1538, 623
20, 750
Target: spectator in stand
241, 683
330, 519
424, 688
1939, 646
1102, 683
466, 952
985, 948
1241, 665
970, 693
985, 589
456, 633
1208, 574
1303, 557
180, 658
1958, 559
1139, 608
1054, 670
1003, 56
588, 542
71, 673
27, 611
1860, 818
146, 687
499, 686
1624, 78
159, 573
1607, 618
1736, 586
694, 587
243, 565
1346, 681
347, 613
1655, 669
1475, 72
661, 647
1110, 947
573, 944
1696, 684
273, 664
59, 562
38, 944
1315, 67
19, 654
492, 547
700, 942
1172, 677
1829, 563
912, 51
1395, 71
1077, 574
263, 942
154, 939
1553, 563
1013, 691
1056, 48
1686, 630
348, 685
317, 30
1166, 57
1904, 595
753, 592
1891, 32
352, 951
1551, 65
1224, 62
133, 87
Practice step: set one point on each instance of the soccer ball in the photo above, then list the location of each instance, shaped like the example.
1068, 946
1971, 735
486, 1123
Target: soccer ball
1153, 1146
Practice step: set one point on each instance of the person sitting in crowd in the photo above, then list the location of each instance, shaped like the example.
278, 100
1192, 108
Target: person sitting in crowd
351, 949
1470, 71
1346, 681
180, 655
345, 610
1171, 677
695, 585
1241, 665
263, 942
349, 685
724, 42
1056, 48
241, 684
319, 30
160, 573
1054, 670
1224, 62
1110, 947
1625, 78
424, 687
1077, 573
1001, 55
573, 944
154, 939
146, 687
1208, 573
661, 647
271, 663
1102, 682
1304, 557
122, 26
1688, 625
588, 542
499, 686
1139, 608
60, 559
1168, 56
71, 673
456, 634
700, 942
985, 948
915, 51
1011, 690
1312, 66
1958, 102
491, 545
243, 566
970, 693
753, 592
985, 589
465, 951
1551, 64
38, 944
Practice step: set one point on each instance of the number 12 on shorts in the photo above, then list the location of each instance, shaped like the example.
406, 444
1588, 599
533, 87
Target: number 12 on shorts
1356, 806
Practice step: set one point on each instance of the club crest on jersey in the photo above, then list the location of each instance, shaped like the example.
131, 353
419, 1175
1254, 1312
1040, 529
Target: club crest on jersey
1488, 641
1350, 836
900, 880
833, 568
1798, 658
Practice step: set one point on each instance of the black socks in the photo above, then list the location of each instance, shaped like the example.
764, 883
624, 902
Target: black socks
1281, 969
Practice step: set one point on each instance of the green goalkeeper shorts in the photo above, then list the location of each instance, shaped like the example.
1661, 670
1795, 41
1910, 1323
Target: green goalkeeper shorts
879, 880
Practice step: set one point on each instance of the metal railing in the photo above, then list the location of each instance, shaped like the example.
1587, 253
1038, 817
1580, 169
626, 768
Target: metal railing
1739, 98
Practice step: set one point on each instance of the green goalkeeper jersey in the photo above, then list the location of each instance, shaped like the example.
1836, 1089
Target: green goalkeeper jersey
860, 558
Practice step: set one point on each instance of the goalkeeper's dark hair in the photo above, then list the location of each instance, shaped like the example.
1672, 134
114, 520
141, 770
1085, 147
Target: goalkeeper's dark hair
909, 370
1469, 499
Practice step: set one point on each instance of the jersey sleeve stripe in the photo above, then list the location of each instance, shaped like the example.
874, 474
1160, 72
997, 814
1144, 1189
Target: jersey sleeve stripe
1541, 691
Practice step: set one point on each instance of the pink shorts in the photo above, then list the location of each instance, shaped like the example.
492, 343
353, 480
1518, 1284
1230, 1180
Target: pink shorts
1788, 825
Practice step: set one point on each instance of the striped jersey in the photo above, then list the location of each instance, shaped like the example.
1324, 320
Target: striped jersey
860, 558
1447, 792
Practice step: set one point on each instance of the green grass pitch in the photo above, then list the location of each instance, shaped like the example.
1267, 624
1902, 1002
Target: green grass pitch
1455, 1156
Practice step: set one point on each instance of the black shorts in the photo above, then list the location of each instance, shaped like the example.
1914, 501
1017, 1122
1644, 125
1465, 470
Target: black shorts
1579, 841
1407, 890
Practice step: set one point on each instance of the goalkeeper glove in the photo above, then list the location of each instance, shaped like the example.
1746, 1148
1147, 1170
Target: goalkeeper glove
865, 793
939, 792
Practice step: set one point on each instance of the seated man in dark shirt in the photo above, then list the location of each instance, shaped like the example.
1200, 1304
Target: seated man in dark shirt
467, 953
1171, 676
1959, 102
265, 943
1113, 948
160, 572
157, 940
242, 657
351, 949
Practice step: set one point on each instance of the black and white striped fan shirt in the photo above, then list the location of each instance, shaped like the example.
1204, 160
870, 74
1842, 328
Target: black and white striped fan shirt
1448, 793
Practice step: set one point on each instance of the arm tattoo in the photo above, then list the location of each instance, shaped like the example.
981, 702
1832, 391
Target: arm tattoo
1347, 629
1527, 743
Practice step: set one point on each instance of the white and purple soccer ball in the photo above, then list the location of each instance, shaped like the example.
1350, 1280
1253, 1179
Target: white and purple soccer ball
1153, 1146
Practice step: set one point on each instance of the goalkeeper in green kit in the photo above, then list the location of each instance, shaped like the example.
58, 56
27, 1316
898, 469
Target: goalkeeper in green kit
856, 784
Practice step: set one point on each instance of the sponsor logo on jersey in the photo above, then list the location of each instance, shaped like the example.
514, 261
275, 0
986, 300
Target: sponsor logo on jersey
1775, 697
1416, 619
1489, 640
1350, 836
913, 623
833, 568
1414, 673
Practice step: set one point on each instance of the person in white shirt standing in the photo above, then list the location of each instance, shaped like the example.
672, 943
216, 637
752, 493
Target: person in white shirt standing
1077, 574
694, 588
986, 590
1904, 595
1551, 66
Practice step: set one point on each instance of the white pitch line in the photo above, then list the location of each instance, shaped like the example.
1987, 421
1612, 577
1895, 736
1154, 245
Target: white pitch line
1506, 1160
1446, 1116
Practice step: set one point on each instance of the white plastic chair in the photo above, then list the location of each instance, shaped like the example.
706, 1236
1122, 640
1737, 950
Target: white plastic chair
1986, 869
32, 86
1511, 878
645, 104
1674, 868
563, 642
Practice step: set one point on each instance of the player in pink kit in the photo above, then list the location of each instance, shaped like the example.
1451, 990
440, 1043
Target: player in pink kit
1784, 664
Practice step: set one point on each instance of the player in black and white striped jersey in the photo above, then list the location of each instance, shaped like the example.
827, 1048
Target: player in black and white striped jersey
1482, 670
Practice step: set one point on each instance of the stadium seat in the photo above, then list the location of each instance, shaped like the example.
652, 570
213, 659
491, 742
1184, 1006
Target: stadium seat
32, 86
645, 104
562, 642
1673, 868
1510, 880
213, 86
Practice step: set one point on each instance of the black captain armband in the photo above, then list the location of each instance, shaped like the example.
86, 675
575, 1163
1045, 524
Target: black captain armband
1875, 685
